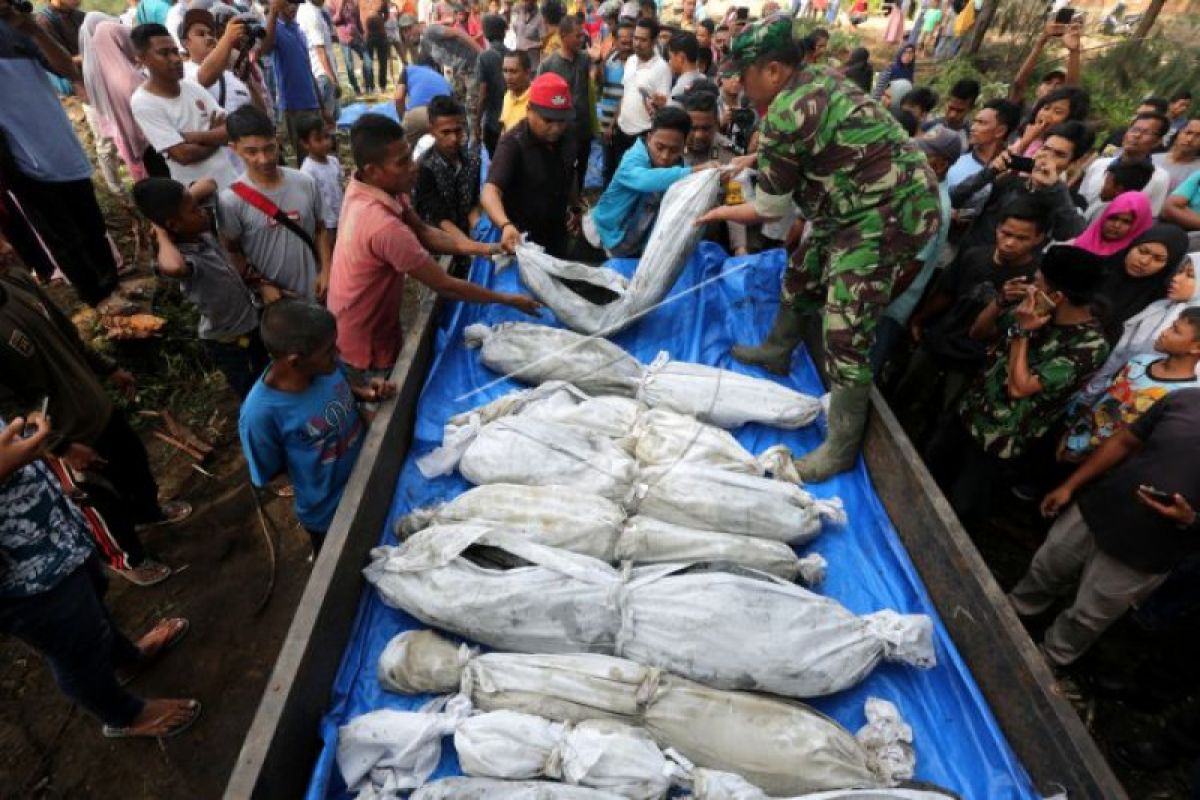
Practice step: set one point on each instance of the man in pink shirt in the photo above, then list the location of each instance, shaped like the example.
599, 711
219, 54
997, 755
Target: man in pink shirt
380, 240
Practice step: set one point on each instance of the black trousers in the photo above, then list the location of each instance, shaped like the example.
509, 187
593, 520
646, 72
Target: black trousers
966, 473
72, 629
67, 219
491, 137
241, 365
380, 51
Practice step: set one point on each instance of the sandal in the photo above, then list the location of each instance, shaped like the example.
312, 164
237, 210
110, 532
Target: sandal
172, 511
156, 641
148, 573
158, 726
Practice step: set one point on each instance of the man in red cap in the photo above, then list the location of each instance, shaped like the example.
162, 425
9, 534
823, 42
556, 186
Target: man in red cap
531, 186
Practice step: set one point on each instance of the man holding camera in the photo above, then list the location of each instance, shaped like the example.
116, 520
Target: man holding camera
208, 59
298, 91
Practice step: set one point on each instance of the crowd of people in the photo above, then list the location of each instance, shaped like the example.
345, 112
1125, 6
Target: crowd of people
1015, 280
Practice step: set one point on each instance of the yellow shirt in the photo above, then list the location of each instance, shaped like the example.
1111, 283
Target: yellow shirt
513, 110
551, 45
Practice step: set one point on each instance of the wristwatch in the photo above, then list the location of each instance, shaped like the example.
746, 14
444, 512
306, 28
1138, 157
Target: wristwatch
1015, 331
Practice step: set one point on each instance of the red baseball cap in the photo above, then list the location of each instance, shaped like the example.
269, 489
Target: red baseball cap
550, 97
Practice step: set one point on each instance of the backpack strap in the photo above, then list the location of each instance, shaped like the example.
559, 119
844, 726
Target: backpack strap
263, 203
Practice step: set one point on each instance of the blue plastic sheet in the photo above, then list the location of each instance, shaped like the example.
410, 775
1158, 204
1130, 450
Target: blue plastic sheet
352, 112
717, 302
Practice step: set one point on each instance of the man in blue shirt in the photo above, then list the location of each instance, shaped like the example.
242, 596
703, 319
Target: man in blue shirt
622, 219
52, 596
301, 417
298, 92
416, 85
55, 221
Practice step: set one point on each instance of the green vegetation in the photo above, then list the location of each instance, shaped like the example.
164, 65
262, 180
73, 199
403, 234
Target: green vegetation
114, 7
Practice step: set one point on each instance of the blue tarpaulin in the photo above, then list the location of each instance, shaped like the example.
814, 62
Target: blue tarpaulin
717, 302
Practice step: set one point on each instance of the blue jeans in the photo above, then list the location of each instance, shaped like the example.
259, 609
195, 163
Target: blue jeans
368, 68
72, 629
328, 97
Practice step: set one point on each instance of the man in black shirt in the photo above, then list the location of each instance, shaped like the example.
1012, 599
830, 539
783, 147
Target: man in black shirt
490, 76
447, 191
1132, 521
1065, 145
573, 64
947, 357
531, 184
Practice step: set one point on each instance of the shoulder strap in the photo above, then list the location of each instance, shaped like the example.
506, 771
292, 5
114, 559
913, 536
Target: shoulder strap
264, 204
221, 90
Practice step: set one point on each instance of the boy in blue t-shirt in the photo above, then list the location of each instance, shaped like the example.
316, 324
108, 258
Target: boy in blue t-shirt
301, 417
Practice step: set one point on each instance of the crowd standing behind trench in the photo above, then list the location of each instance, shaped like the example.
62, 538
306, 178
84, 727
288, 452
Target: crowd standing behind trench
1034, 318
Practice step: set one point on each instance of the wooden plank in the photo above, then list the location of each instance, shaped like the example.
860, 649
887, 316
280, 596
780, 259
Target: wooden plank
1042, 727
281, 746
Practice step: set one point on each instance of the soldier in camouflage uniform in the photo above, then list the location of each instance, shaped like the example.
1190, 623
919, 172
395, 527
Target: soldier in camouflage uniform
1038, 363
872, 202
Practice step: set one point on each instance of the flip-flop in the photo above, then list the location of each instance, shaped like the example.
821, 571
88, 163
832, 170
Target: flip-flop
127, 733
127, 674
173, 511
148, 573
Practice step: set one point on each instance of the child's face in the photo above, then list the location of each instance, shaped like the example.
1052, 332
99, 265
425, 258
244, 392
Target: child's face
318, 143
190, 220
1116, 227
1183, 285
665, 147
1148, 258
1178, 340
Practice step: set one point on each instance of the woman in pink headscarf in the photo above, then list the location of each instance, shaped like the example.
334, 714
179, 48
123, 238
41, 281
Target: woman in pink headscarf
110, 76
1127, 217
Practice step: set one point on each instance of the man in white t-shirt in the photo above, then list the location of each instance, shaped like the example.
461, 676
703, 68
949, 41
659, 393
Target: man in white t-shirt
180, 119
647, 83
1141, 139
310, 16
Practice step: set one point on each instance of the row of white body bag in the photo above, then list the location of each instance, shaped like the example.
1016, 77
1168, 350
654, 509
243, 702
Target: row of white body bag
635, 563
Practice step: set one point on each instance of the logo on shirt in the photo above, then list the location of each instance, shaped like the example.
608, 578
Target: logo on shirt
293, 215
200, 105
21, 343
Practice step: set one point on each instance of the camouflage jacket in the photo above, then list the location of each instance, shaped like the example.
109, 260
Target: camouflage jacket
1061, 356
834, 150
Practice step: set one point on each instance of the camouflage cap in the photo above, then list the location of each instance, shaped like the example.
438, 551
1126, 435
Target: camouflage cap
762, 37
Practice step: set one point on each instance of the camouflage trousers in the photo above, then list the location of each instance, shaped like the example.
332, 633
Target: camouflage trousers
845, 271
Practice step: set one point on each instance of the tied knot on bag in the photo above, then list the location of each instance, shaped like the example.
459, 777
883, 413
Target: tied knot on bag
887, 738
905, 638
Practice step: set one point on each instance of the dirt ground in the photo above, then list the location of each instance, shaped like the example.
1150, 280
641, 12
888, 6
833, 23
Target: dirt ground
50, 749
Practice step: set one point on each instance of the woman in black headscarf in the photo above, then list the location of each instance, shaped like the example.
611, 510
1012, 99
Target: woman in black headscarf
1140, 275
858, 68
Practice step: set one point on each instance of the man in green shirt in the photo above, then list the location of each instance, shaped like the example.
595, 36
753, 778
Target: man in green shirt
872, 202
1048, 344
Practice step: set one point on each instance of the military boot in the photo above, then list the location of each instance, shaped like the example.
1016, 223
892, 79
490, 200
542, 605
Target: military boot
775, 354
847, 417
